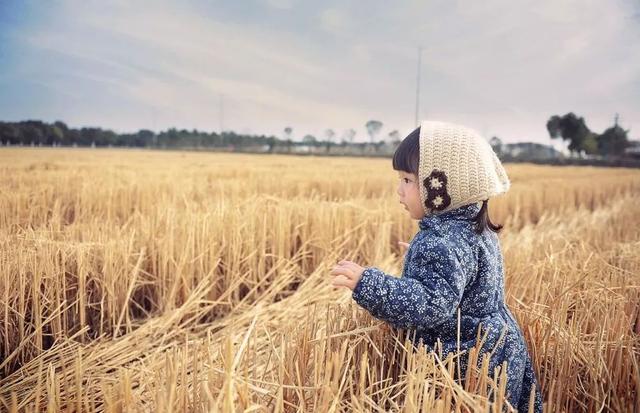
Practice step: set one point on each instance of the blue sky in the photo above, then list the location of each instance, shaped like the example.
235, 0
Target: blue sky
502, 67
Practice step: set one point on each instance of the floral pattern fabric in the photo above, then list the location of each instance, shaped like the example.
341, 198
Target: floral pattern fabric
448, 267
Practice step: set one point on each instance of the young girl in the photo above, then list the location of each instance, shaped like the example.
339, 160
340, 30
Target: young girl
453, 270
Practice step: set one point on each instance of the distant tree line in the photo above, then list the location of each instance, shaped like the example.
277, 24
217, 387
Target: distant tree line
611, 143
38, 133
35, 132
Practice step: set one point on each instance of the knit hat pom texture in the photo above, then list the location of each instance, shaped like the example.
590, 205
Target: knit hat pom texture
457, 167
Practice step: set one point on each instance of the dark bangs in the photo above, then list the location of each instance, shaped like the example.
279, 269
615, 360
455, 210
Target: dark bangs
407, 154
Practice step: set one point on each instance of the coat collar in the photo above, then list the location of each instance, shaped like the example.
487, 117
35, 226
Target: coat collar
463, 213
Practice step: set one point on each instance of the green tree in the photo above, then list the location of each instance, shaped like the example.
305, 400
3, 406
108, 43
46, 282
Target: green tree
9, 133
569, 127
55, 135
271, 141
590, 144
394, 136
144, 137
310, 140
348, 136
63, 134
287, 132
329, 134
32, 132
613, 141
108, 137
287, 138
373, 128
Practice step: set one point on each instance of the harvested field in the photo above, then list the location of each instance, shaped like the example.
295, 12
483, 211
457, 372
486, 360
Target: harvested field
135, 280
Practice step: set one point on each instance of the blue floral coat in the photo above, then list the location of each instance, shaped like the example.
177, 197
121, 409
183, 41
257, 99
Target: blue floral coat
449, 266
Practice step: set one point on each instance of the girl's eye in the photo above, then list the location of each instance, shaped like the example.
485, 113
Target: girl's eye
406, 180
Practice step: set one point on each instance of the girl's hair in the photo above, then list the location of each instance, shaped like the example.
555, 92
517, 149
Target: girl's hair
406, 158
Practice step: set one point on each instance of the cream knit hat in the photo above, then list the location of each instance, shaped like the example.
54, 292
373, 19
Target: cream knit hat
457, 167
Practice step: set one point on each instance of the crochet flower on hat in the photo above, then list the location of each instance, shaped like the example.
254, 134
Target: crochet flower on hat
436, 187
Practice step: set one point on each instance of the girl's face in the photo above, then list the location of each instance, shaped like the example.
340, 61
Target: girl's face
409, 193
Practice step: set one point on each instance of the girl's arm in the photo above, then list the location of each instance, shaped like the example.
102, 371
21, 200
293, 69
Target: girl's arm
427, 299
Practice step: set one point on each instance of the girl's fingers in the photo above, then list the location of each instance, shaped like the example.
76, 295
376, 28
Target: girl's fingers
347, 272
349, 264
341, 281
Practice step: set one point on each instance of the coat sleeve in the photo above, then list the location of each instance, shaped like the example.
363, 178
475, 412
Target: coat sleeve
426, 299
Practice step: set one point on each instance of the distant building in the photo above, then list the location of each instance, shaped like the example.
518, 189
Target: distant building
302, 149
529, 150
633, 150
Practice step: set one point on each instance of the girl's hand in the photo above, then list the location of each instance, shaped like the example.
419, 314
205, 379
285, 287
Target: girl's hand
347, 274
404, 244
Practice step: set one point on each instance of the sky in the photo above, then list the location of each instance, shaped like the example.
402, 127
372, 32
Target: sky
501, 67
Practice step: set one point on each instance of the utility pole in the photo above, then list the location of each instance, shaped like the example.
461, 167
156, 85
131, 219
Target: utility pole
418, 85
221, 114
155, 133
